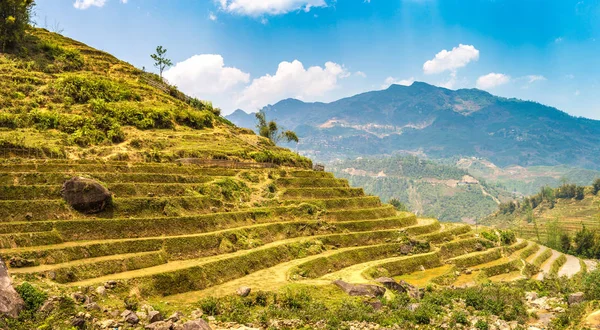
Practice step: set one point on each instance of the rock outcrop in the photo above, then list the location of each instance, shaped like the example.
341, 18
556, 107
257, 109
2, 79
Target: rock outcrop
365, 290
86, 195
10, 301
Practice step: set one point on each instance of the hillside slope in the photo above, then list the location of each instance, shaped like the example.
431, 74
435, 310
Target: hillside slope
426, 187
62, 99
439, 123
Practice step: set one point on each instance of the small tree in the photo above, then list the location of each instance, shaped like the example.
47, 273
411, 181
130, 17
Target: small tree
160, 60
271, 130
596, 186
14, 19
395, 202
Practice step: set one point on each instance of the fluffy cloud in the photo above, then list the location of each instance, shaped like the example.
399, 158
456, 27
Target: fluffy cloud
268, 7
205, 75
492, 80
451, 60
292, 80
393, 81
212, 16
85, 4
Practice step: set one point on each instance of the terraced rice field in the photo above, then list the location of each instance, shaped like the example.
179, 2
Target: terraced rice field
186, 231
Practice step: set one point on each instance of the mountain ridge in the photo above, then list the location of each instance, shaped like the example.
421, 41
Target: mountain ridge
438, 123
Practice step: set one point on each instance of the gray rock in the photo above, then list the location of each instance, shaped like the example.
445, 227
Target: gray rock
175, 317
101, 290
154, 316
243, 291
365, 290
93, 307
576, 298
160, 325
79, 297
130, 317
78, 322
49, 305
110, 284
391, 284
199, 324
10, 301
531, 296
86, 195
18, 262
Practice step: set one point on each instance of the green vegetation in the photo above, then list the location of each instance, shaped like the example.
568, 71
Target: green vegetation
63, 99
424, 186
271, 131
160, 60
14, 20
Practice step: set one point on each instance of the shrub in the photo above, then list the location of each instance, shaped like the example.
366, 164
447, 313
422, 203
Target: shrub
507, 237
210, 306
32, 297
481, 325
83, 89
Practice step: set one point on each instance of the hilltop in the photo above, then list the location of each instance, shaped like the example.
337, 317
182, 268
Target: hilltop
63, 99
436, 122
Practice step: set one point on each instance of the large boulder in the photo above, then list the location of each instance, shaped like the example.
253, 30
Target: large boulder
401, 287
11, 303
86, 195
365, 290
576, 298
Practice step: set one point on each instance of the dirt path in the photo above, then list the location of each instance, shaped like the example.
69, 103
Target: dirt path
532, 257
545, 268
267, 279
571, 267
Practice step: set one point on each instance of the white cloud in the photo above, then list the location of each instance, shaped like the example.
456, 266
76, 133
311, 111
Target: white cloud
559, 40
205, 75
570, 76
292, 80
85, 4
533, 78
492, 80
361, 74
451, 60
268, 7
393, 81
212, 16
124, 1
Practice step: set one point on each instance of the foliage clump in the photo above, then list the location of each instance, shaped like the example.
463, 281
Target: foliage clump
14, 20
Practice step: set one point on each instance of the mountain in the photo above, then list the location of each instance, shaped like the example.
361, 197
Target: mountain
439, 123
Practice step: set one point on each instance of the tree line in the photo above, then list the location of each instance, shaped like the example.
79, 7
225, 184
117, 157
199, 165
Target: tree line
550, 196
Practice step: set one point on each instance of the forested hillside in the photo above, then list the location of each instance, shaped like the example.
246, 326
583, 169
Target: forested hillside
425, 187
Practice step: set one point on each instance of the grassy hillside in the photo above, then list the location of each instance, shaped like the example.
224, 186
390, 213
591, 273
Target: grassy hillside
179, 238
546, 219
62, 99
426, 187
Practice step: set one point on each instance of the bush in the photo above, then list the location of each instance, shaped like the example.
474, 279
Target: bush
32, 297
210, 306
507, 237
83, 89
481, 325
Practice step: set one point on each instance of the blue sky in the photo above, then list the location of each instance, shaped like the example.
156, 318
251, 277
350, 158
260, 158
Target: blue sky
250, 53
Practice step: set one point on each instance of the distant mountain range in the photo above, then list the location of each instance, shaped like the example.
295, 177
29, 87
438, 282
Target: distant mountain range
426, 120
